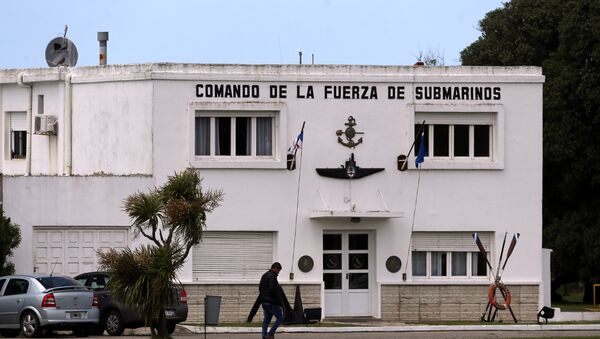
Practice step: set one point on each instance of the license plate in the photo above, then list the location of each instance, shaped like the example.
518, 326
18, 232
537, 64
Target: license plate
75, 315
169, 313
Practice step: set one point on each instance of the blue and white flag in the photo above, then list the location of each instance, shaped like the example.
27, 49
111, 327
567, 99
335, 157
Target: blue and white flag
297, 144
422, 151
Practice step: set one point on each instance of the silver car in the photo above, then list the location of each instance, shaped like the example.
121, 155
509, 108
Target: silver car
37, 304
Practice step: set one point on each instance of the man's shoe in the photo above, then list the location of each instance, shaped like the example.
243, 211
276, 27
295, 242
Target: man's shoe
271, 337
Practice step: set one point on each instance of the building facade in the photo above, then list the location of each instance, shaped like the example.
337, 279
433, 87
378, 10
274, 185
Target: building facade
360, 236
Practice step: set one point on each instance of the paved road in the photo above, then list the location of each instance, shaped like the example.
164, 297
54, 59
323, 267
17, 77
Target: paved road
390, 335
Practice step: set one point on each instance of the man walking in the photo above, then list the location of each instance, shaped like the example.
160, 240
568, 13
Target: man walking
271, 300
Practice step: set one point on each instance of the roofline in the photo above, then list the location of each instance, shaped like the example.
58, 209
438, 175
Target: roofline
280, 73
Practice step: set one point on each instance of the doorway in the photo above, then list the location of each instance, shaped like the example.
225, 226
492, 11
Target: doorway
347, 271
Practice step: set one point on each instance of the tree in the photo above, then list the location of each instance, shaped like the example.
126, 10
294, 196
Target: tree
431, 57
563, 37
10, 238
172, 218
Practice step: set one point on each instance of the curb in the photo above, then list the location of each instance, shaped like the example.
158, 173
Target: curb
404, 328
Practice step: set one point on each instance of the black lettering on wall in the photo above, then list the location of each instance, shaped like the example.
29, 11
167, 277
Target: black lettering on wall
278, 91
496, 93
395, 92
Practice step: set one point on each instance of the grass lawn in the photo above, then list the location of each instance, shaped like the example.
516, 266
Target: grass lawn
576, 307
572, 294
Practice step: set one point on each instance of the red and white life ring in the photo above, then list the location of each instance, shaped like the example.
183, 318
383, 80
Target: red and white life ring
505, 293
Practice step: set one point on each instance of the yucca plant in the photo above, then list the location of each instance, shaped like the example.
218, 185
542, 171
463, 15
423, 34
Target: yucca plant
172, 217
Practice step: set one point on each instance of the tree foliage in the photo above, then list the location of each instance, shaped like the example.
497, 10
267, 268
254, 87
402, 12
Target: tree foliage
431, 57
10, 238
563, 37
172, 218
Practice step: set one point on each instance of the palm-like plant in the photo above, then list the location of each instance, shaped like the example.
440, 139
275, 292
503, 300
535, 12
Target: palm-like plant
172, 217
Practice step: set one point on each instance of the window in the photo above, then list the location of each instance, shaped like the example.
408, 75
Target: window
17, 124
448, 255
470, 138
16, 286
51, 282
454, 141
235, 135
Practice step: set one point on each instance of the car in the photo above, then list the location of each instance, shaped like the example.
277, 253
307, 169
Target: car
40, 303
115, 317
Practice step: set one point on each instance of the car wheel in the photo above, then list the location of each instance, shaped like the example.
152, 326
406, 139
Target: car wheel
9, 333
114, 323
81, 332
171, 327
30, 325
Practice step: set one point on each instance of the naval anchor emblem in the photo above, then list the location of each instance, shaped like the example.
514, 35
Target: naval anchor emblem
349, 133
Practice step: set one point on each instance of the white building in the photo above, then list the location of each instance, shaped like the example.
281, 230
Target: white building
122, 129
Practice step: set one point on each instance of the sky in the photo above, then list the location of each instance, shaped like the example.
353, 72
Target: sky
368, 32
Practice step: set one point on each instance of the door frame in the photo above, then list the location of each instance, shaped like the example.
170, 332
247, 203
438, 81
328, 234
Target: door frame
372, 290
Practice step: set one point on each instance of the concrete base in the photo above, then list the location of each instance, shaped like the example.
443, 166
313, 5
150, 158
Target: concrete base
574, 316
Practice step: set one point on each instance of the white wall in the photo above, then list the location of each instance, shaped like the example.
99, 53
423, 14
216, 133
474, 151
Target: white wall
130, 120
65, 202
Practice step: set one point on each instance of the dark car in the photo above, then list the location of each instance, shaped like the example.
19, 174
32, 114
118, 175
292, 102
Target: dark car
115, 317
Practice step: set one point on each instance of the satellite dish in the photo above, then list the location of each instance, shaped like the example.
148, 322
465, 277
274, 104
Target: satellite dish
61, 52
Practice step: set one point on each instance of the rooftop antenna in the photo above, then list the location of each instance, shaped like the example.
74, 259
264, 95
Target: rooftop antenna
300, 56
61, 51
313, 58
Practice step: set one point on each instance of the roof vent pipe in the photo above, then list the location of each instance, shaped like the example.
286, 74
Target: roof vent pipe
103, 38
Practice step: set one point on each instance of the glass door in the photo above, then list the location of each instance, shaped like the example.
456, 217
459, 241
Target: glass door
346, 273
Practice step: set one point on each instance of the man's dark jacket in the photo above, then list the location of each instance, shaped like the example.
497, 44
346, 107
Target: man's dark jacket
269, 289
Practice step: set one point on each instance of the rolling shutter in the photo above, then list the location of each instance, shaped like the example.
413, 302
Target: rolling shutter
232, 255
18, 121
449, 241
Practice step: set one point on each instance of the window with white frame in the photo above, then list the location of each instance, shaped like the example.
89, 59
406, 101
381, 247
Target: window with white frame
439, 255
457, 136
235, 135
17, 134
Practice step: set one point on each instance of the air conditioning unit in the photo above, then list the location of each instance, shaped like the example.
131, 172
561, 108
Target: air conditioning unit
45, 124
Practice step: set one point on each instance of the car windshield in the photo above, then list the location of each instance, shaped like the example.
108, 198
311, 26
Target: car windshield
51, 282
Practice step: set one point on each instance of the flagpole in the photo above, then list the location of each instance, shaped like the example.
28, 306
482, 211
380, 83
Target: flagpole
418, 160
297, 197
412, 226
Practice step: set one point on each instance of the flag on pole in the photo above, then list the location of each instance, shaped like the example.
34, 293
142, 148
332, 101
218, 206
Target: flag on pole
422, 151
296, 145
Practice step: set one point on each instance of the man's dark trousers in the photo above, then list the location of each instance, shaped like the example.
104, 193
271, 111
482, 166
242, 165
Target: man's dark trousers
271, 310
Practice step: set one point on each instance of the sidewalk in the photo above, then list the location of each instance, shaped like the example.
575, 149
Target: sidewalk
397, 328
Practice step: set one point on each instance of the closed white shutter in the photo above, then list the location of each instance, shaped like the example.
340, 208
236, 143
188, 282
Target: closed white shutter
18, 121
449, 241
232, 255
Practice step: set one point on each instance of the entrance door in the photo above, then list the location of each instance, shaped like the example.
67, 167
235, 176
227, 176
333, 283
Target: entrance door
346, 273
